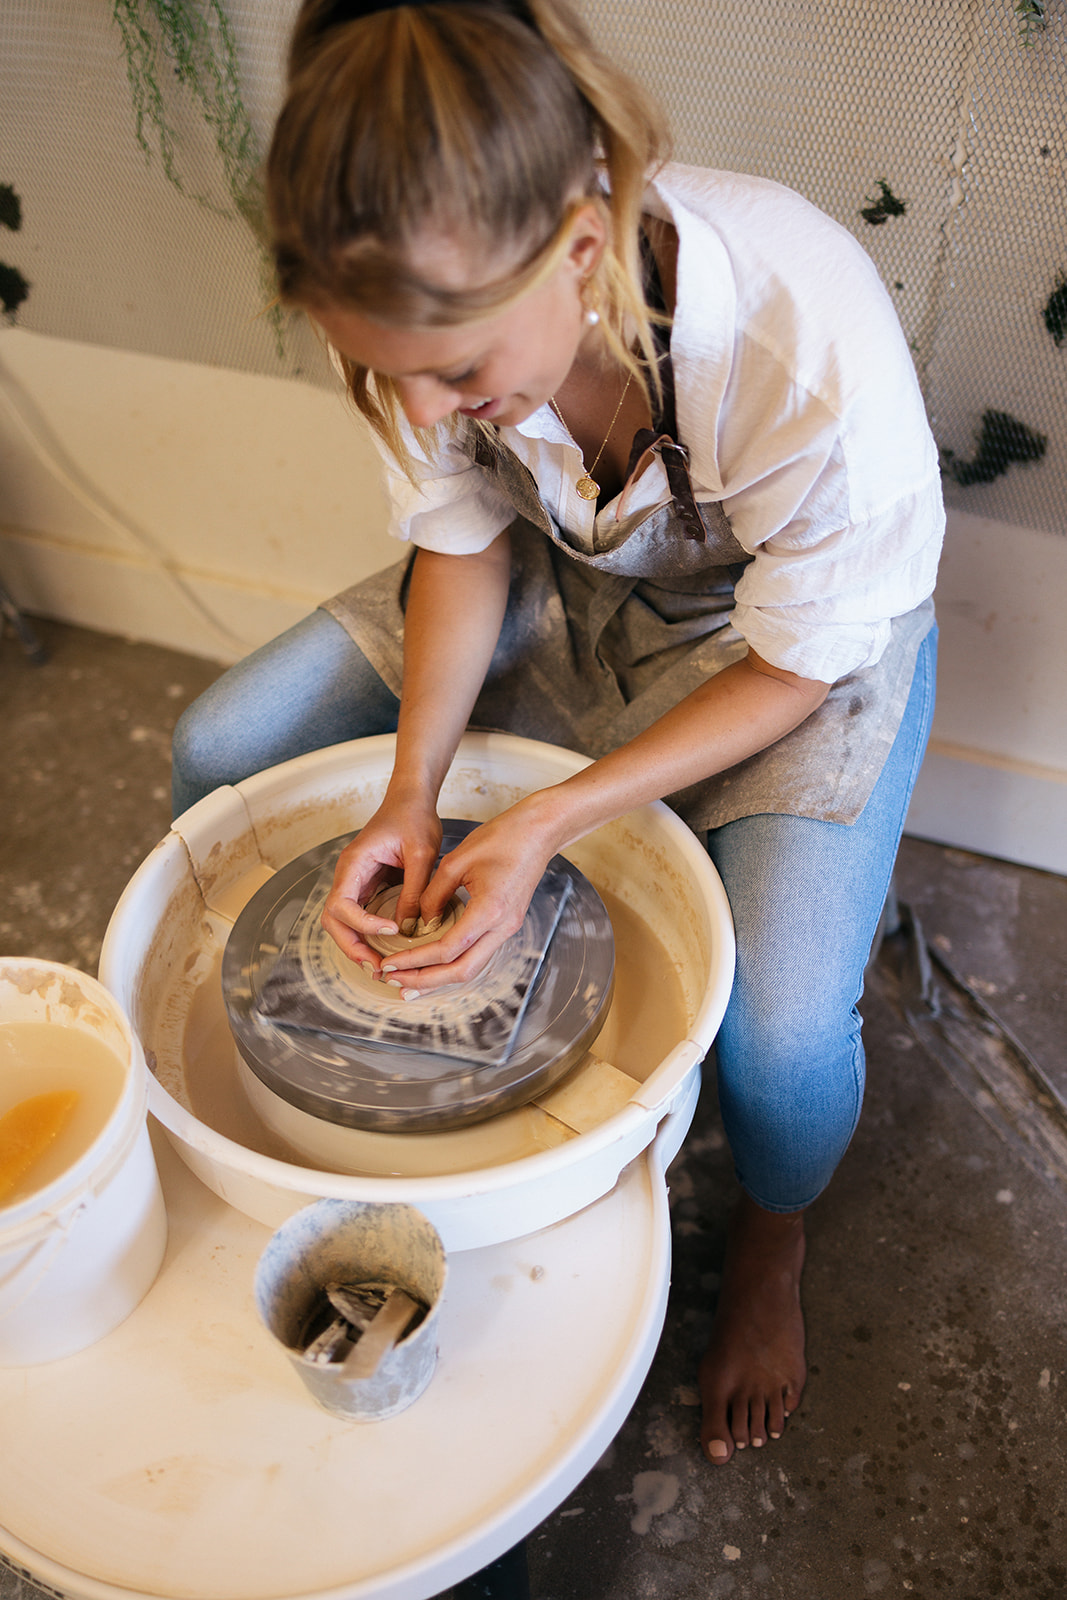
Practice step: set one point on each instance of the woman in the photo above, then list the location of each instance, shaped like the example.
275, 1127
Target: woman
656, 439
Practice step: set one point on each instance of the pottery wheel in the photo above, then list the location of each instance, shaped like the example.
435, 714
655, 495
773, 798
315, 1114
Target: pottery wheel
339, 1045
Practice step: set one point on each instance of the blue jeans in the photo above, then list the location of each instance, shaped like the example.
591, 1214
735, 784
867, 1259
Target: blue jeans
806, 895
806, 898
307, 689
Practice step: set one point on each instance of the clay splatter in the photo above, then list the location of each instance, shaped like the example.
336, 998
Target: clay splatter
876, 212
13, 286
1055, 312
10, 208
1003, 439
653, 1493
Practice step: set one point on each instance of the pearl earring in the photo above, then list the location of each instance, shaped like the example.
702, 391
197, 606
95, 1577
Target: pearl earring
592, 317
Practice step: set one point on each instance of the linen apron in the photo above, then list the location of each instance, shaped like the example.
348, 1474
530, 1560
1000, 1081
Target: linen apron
599, 642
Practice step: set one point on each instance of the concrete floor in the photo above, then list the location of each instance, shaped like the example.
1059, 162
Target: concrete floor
928, 1458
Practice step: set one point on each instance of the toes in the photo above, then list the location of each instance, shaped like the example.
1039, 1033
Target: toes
754, 1413
776, 1414
739, 1424
716, 1437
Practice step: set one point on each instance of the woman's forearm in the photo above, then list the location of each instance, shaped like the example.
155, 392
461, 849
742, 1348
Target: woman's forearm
452, 622
741, 710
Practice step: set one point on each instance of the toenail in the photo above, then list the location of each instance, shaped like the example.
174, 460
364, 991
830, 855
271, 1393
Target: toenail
718, 1450
757, 1444
740, 1446
776, 1436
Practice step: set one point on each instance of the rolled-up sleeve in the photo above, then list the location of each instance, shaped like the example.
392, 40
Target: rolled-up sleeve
839, 502
451, 507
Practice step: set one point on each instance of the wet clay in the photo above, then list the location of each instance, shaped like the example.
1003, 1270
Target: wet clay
384, 903
647, 1017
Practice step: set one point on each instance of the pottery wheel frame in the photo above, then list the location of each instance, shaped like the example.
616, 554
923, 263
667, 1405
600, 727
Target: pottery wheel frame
385, 1089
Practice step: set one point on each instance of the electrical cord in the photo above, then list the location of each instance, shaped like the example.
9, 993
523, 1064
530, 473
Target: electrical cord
51, 453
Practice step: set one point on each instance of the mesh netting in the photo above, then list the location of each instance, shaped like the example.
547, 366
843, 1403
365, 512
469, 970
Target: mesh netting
933, 132
929, 128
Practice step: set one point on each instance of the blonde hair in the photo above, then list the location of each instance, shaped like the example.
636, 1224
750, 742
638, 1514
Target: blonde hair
480, 120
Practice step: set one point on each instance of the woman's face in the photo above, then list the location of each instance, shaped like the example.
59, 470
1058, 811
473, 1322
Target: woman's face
500, 369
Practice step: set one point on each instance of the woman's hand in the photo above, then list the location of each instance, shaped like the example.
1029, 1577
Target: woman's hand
401, 841
441, 682
499, 866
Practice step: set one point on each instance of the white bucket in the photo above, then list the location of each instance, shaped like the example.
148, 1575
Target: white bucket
78, 1254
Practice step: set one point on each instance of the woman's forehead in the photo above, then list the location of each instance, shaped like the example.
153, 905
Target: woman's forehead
402, 351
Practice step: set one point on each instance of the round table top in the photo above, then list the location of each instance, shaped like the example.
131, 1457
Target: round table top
181, 1458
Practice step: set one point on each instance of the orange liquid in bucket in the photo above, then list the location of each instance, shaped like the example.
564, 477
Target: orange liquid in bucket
27, 1130
58, 1088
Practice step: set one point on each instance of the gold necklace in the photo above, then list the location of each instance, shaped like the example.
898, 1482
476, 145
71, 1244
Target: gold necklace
587, 485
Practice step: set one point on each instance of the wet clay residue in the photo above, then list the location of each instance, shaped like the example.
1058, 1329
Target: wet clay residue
646, 1019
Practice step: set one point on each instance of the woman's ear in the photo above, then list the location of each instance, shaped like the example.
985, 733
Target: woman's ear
589, 236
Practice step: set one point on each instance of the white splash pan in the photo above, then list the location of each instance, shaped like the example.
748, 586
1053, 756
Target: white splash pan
167, 933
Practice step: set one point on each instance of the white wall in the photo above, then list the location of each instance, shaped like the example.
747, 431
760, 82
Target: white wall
262, 495
995, 779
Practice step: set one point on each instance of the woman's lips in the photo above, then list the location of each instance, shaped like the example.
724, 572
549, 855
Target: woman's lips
484, 409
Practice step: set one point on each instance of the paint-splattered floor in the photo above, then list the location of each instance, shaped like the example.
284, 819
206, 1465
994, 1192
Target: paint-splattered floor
929, 1456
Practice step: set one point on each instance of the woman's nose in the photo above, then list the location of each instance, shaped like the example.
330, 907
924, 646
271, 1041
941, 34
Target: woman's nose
426, 400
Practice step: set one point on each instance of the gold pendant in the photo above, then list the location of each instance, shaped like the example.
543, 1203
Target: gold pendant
588, 488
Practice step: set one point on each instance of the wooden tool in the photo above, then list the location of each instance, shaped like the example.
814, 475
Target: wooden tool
383, 1331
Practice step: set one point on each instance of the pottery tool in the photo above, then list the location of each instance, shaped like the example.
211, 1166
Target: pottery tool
381, 1333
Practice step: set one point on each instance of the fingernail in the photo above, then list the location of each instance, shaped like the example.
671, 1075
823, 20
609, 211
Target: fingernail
394, 983
410, 994
718, 1450
408, 926
368, 966
387, 968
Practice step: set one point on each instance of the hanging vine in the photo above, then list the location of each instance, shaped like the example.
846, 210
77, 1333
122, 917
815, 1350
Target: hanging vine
193, 41
1032, 20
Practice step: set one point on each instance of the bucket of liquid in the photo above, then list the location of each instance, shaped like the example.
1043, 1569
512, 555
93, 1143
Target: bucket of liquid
82, 1223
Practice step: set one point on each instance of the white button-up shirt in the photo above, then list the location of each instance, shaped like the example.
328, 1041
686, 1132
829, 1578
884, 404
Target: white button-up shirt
796, 396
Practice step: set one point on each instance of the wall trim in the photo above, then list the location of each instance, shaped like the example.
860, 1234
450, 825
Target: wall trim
977, 801
179, 608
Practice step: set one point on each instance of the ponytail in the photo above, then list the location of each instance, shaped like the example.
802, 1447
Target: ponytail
483, 120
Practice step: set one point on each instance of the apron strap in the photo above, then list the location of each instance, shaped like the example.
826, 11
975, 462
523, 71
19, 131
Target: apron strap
661, 438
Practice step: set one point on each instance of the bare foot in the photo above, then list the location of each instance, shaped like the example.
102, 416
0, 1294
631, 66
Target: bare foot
752, 1375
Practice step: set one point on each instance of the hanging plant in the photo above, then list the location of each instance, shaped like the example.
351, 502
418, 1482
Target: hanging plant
1032, 20
193, 42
